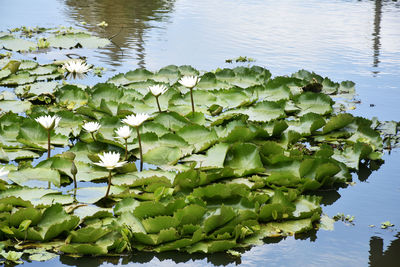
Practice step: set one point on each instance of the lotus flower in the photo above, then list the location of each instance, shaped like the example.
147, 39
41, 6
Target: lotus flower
91, 127
3, 172
135, 120
110, 161
157, 89
189, 81
76, 67
48, 122
124, 132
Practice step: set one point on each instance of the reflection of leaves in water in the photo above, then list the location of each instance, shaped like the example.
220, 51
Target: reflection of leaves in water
379, 257
128, 22
217, 259
367, 167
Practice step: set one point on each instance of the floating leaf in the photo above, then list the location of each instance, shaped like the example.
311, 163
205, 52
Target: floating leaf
198, 136
26, 193
312, 102
4, 73
15, 44
262, 111
36, 89
72, 40
162, 155
34, 135
219, 217
88, 234
54, 221
17, 217
244, 159
12, 256
337, 122
18, 79
84, 249
42, 256
14, 106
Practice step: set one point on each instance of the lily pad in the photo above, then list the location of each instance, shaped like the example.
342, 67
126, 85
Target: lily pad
16, 44
14, 106
23, 177
71, 40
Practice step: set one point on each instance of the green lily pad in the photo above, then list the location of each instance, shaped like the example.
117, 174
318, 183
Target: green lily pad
198, 136
71, 40
262, 111
4, 73
18, 79
36, 89
22, 177
16, 154
14, 106
10, 42
54, 221
43, 70
34, 135
244, 159
312, 102
28, 65
42, 256
162, 155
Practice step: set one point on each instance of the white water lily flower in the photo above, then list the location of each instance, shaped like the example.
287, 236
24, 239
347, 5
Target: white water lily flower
124, 132
91, 127
76, 66
3, 172
48, 122
157, 89
135, 120
189, 81
110, 160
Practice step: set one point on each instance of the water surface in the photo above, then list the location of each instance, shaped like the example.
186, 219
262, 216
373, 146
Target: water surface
344, 40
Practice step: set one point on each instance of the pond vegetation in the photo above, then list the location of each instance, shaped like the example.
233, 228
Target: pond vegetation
175, 159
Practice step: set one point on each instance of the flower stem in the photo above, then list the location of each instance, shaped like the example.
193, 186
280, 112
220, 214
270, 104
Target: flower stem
75, 195
48, 143
94, 139
191, 98
75, 184
48, 153
158, 104
126, 149
109, 183
140, 148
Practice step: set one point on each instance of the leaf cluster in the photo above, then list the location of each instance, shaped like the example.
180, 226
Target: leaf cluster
243, 167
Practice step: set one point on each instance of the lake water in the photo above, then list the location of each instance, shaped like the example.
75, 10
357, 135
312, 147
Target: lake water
341, 39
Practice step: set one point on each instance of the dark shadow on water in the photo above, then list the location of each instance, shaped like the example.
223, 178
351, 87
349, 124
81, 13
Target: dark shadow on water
217, 259
89, 261
128, 23
379, 257
376, 34
328, 196
367, 167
